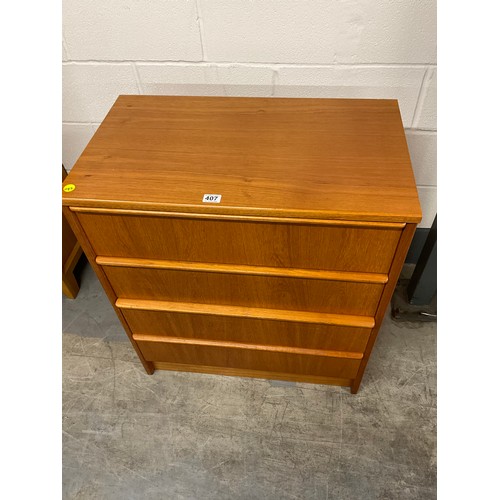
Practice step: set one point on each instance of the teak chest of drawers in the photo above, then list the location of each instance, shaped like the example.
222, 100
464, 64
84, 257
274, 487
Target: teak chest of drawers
256, 237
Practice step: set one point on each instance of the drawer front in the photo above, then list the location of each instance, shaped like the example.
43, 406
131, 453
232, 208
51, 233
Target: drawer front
272, 292
248, 330
303, 246
249, 359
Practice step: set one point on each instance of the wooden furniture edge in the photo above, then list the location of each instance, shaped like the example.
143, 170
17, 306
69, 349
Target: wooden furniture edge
69, 284
75, 254
247, 312
209, 267
251, 347
127, 100
395, 271
242, 372
89, 252
274, 217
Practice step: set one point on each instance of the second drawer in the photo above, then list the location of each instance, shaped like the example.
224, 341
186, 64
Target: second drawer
272, 292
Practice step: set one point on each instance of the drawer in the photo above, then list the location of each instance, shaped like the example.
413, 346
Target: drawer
247, 330
161, 350
272, 292
277, 244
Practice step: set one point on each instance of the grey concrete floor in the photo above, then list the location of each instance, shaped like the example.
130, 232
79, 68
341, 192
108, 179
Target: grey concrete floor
173, 435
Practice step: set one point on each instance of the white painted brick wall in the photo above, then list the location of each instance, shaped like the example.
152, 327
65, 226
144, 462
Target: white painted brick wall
422, 146
354, 82
205, 79
320, 31
64, 52
296, 48
132, 30
428, 200
89, 90
425, 116
169, 79
75, 137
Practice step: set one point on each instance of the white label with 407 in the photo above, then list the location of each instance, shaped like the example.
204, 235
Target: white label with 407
212, 198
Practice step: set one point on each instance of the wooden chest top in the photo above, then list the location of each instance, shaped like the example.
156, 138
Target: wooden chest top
283, 157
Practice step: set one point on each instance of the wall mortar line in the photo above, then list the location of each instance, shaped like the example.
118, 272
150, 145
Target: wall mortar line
181, 62
77, 123
65, 45
421, 97
137, 79
421, 131
199, 21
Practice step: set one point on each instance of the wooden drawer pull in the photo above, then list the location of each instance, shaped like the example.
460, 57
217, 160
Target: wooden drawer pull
242, 218
253, 347
248, 312
242, 269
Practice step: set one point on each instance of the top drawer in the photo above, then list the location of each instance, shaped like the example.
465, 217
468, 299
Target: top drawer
342, 247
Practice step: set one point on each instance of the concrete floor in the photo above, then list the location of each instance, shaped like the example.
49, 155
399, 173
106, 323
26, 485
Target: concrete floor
128, 435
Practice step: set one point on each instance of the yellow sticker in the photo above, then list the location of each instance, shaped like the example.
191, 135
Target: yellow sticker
68, 188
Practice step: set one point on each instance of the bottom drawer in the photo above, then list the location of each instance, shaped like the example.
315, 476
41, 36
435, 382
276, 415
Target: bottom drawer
160, 350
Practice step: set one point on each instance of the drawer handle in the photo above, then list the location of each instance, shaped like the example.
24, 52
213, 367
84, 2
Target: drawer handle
209, 267
252, 347
248, 312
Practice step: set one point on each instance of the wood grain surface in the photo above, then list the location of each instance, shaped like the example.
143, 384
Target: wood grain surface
290, 275
301, 351
313, 158
90, 254
241, 218
397, 265
71, 252
273, 292
248, 312
158, 349
270, 244
209, 267
248, 330
240, 372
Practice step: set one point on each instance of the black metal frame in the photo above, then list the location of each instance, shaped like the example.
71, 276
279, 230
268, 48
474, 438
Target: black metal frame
423, 283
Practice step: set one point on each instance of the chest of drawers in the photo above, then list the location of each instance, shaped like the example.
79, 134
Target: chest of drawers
257, 237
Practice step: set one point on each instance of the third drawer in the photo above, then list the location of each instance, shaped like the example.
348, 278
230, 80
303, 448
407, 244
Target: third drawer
247, 330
